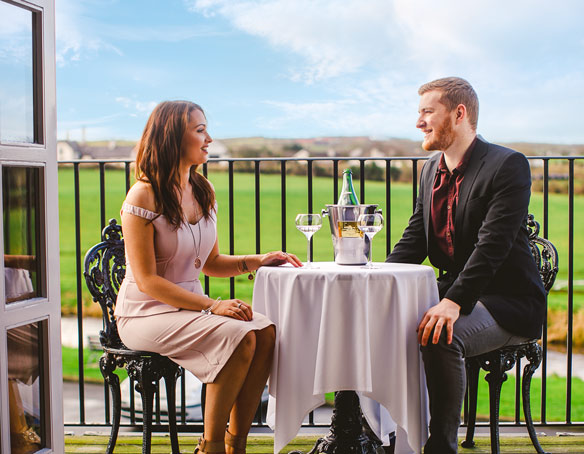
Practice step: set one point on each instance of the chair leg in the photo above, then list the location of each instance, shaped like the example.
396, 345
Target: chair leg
107, 366
147, 391
472, 385
533, 356
170, 382
495, 378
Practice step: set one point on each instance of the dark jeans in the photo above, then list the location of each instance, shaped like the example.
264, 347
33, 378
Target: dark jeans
474, 334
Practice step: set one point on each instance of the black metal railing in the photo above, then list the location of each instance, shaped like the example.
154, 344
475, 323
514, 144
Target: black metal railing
566, 182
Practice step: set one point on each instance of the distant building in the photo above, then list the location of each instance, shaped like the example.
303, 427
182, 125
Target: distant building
302, 154
217, 149
68, 150
375, 153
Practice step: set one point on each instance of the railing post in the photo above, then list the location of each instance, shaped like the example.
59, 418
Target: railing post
362, 180
414, 183
570, 292
231, 227
335, 181
309, 195
102, 194
257, 207
78, 255
387, 213
283, 201
545, 324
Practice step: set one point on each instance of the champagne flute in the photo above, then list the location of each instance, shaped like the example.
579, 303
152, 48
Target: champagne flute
308, 224
370, 224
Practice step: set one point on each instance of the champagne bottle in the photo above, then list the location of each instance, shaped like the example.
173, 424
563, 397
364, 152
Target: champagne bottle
347, 225
348, 196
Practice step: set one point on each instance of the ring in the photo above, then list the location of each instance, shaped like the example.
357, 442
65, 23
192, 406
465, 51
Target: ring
238, 305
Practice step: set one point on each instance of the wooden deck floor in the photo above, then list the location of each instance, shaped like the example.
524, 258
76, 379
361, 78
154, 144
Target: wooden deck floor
132, 444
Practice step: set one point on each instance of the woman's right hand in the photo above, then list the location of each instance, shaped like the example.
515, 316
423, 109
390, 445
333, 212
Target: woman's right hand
234, 308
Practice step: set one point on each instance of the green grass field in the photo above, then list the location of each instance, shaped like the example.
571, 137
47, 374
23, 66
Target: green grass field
271, 226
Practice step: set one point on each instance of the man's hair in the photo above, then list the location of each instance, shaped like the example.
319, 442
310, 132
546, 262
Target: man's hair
455, 91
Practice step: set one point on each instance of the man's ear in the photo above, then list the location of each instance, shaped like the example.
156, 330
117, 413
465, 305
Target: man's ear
460, 112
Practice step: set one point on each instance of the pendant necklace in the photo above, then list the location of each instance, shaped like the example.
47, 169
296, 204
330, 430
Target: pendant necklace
197, 249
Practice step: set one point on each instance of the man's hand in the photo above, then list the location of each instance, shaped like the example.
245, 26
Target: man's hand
445, 313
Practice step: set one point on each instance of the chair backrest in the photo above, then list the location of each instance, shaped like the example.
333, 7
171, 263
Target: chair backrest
104, 271
544, 253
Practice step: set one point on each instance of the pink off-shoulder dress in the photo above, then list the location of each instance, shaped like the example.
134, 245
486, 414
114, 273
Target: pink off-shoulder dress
200, 343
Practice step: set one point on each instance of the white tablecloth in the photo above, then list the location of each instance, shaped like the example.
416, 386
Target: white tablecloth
348, 328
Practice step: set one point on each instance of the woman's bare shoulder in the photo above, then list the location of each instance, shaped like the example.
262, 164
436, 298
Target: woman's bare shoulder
141, 195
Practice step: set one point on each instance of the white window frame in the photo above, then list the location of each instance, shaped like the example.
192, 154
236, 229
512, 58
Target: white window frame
48, 307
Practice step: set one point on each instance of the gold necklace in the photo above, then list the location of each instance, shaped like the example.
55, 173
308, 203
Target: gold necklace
197, 249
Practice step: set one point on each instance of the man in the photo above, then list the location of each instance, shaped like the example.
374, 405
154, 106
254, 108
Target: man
470, 220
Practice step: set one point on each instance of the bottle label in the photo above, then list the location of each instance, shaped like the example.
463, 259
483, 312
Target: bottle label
349, 229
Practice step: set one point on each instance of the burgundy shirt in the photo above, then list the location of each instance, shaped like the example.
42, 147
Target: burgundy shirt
444, 201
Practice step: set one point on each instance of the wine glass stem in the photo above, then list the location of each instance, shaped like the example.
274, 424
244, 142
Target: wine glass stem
308, 251
370, 258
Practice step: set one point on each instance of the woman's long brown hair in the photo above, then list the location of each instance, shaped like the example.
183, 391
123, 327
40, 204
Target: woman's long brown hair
158, 159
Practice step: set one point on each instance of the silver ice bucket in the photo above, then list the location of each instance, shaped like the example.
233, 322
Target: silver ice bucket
351, 247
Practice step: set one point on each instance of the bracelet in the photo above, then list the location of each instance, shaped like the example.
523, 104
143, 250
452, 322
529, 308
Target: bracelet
246, 269
209, 310
244, 265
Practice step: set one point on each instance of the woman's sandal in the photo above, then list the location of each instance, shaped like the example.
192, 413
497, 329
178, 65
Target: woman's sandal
237, 442
209, 447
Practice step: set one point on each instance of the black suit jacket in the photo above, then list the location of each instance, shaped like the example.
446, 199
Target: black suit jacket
492, 258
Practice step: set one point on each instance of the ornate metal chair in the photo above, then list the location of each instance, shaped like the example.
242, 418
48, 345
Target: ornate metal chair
498, 362
104, 270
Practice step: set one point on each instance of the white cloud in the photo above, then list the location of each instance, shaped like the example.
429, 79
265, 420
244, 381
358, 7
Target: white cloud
348, 116
368, 57
72, 124
76, 34
333, 37
138, 106
350, 66
80, 35
110, 126
159, 33
89, 133
547, 111
336, 37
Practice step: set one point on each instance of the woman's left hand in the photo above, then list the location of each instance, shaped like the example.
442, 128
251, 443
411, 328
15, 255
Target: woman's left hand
279, 258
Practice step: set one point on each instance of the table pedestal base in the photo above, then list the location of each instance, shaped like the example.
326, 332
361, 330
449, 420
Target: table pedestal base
346, 435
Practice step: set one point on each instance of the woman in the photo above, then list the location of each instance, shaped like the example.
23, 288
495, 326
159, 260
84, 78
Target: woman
169, 225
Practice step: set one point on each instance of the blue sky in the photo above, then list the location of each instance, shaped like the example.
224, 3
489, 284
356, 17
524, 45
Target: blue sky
307, 68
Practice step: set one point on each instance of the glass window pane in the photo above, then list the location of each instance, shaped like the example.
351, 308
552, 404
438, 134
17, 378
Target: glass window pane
21, 197
16, 75
26, 397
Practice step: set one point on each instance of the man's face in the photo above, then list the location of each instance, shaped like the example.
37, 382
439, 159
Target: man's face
435, 121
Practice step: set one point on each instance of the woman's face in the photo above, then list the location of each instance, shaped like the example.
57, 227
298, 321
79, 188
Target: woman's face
195, 139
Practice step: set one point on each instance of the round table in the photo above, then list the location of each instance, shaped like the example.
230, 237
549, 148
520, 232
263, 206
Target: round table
348, 328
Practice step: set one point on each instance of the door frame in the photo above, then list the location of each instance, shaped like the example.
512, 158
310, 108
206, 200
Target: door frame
47, 308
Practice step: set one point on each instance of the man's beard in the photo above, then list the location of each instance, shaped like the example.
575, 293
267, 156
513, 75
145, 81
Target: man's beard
443, 137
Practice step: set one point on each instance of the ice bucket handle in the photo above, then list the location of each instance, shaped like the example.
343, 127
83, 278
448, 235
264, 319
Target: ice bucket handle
325, 212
